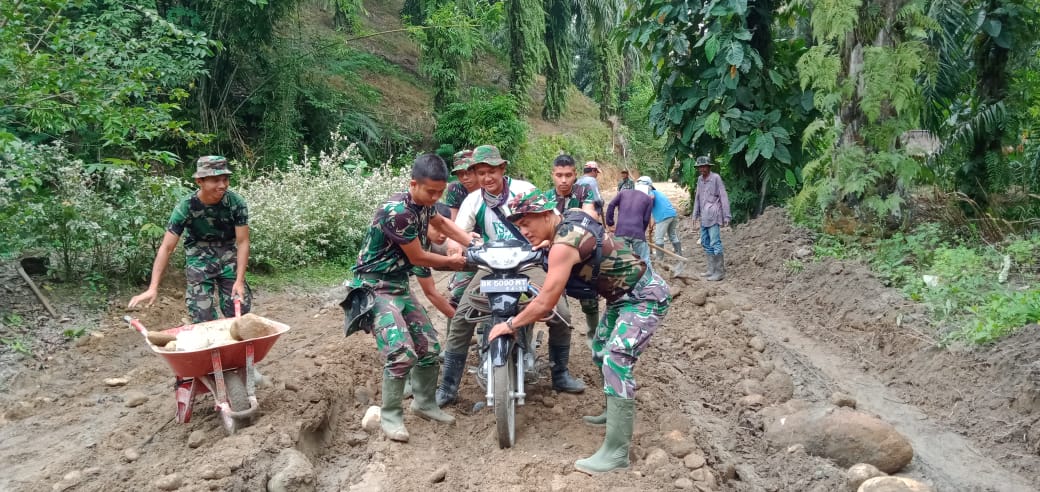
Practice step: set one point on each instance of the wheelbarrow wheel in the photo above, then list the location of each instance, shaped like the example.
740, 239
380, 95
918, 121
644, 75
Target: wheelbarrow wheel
238, 398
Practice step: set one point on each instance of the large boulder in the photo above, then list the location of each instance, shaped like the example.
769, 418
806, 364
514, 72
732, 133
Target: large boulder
844, 435
293, 472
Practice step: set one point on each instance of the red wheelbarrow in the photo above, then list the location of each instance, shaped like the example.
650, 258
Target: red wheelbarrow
225, 368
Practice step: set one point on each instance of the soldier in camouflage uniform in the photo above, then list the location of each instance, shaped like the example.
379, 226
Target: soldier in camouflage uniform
216, 223
396, 242
453, 197
568, 194
637, 300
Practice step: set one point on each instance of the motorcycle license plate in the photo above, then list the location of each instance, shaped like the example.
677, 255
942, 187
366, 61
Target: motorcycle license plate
495, 285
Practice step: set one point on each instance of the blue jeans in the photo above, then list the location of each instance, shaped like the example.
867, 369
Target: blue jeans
638, 247
666, 227
711, 241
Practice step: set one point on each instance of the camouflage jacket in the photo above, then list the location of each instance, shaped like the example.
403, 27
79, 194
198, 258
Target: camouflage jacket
397, 221
208, 224
619, 271
580, 196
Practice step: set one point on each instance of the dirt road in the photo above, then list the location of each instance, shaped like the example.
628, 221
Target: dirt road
973, 417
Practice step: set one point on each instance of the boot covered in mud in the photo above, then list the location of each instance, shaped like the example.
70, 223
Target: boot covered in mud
562, 380
391, 415
677, 246
659, 252
613, 454
424, 403
451, 376
718, 267
710, 269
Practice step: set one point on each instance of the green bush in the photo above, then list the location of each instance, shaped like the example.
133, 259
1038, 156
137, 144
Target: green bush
480, 118
317, 209
96, 218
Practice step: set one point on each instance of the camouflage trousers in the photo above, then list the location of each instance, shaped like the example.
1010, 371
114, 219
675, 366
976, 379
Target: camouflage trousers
210, 272
625, 331
457, 286
404, 334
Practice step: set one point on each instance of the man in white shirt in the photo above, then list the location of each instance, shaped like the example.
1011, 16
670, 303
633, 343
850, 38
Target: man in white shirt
477, 215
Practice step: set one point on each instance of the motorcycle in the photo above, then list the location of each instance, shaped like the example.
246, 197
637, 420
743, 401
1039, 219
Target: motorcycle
503, 293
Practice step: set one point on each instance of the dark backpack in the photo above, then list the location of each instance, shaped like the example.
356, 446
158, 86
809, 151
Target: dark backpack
577, 287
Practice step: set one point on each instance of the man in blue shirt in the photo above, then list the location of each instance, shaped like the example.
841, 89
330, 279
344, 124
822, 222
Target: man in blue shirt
664, 215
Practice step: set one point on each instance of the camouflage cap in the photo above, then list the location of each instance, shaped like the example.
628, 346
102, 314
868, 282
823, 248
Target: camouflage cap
211, 165
462, 160
531, 203
703, 161
488, 154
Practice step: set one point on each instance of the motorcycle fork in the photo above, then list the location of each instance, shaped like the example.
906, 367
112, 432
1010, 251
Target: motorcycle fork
505, 305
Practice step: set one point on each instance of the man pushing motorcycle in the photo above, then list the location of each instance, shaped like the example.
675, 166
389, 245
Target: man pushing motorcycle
581, 255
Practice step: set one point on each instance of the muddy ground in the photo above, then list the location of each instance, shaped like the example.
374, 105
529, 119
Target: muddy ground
973, 416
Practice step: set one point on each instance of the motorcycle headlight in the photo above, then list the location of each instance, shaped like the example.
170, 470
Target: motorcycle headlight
503, 258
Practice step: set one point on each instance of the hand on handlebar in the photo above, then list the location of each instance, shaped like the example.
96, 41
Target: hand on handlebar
499, 330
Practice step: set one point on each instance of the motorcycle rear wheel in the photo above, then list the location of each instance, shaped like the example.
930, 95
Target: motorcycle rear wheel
505, 401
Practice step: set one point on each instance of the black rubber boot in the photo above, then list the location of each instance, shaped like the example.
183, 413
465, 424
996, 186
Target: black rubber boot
677, 246
562, 381
451, 375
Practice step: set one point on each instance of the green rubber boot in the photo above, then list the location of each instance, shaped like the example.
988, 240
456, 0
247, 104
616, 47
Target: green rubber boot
613, 454
391, 415
424, 403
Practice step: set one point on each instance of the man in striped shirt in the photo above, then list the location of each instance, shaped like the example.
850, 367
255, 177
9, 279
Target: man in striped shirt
711, 211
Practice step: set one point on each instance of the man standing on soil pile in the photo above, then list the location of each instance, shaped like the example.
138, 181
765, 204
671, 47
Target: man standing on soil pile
396, 241
485, 211
711, 211
568, 194
637, 301
216, 245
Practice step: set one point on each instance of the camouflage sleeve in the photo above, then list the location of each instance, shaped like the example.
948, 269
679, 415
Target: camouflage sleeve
421, 272
400, 224
455, 195
239, 210
570, 235
179, 217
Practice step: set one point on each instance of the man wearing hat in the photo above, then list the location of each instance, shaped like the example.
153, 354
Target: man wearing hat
485, 211
590, 180
580, 252
626, 182
711, 211
215, 222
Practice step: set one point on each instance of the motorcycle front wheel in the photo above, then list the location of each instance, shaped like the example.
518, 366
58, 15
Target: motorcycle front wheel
505, 401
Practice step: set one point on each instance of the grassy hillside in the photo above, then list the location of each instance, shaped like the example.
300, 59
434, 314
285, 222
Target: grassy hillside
401, 98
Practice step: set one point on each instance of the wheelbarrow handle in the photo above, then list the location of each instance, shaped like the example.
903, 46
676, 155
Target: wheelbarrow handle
136, 324
238, 306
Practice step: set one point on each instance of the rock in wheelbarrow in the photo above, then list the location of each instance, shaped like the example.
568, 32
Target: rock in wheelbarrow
160, 339
251, 326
